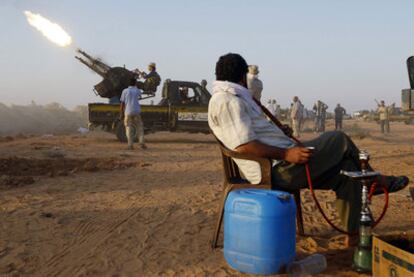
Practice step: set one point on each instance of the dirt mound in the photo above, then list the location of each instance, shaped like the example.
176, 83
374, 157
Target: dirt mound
14, 181
15, 171
6, 139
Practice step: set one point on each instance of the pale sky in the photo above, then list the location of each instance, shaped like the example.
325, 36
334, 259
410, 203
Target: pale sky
338, 51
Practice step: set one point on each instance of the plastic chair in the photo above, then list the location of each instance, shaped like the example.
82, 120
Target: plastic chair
233, 180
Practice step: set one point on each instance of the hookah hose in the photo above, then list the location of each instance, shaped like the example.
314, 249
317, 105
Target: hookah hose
386, 196
371, 192
310, 183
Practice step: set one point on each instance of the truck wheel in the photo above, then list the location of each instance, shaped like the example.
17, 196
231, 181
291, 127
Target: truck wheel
107, 128
121, 133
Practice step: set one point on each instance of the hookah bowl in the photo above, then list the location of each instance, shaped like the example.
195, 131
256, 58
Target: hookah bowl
362, 259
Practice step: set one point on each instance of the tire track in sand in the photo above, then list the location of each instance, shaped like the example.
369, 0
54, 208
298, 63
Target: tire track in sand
62, 262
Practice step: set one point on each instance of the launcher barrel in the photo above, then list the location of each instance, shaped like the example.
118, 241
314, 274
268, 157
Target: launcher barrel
95, 64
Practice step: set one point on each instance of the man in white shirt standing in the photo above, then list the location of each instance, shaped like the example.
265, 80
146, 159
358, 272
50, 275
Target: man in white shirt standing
271, 106
240, 124
131, 114
254, 84
296, 116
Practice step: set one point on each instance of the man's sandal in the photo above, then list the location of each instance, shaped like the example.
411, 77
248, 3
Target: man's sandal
392, 183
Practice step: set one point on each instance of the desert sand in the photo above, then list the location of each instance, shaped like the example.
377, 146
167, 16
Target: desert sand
83, 205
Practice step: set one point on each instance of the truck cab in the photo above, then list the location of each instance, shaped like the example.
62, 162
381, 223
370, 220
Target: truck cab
182, 93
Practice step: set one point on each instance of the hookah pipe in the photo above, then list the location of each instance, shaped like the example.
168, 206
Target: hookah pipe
364, 168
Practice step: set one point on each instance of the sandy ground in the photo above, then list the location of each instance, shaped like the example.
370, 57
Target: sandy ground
84, 206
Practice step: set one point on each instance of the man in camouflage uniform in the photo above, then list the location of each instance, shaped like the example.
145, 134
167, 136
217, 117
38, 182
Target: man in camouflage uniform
384, 116
152, 80
320, 116
323, 116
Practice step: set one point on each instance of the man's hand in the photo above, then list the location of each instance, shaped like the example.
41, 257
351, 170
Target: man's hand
297, 155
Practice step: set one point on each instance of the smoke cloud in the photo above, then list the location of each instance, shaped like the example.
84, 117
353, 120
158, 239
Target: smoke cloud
35, 119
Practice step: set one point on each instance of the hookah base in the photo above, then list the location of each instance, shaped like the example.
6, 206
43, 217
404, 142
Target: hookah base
362, 260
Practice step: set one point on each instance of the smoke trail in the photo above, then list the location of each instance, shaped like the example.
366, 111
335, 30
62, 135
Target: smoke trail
49, 29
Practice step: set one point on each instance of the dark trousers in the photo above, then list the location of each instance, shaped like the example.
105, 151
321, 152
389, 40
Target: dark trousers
334, 152
338, 124
319, 124
385, 126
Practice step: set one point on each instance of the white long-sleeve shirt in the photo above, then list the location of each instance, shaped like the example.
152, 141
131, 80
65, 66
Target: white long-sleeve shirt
296, 111
255, 86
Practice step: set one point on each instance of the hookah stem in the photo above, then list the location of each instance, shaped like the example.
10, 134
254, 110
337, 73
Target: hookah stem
309, 178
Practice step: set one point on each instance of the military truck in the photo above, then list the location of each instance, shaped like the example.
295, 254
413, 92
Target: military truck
176, 112
407, 95
183, 107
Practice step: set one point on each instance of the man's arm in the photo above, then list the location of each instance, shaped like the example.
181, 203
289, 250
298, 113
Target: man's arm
122, 110
148, 75
122, 106
142, 74
296, 155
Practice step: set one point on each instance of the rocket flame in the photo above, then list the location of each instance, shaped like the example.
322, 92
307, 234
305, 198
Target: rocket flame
51, 30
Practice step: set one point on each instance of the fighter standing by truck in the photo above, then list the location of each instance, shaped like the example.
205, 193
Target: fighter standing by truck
130, 114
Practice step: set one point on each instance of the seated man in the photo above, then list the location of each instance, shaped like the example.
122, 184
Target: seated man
152, 79
183, 91
240, 124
